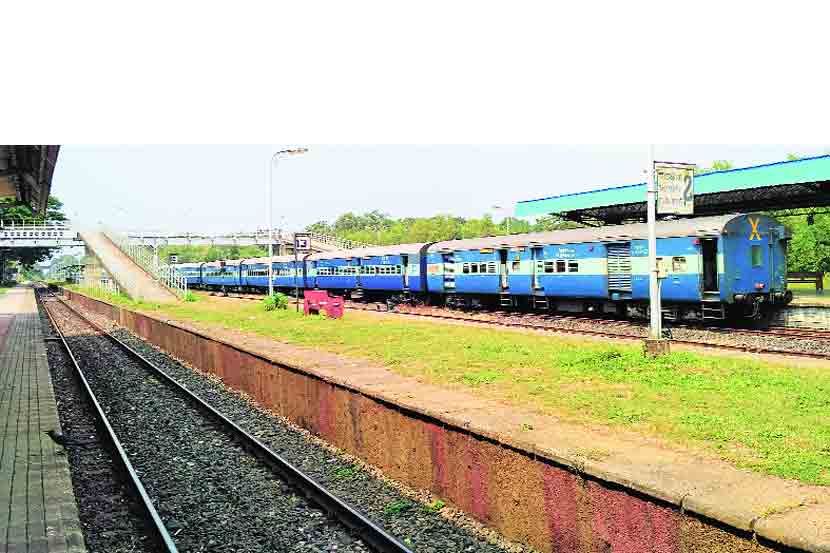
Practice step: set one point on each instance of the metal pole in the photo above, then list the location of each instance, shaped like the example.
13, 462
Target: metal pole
656, 319
296, 275
271, 225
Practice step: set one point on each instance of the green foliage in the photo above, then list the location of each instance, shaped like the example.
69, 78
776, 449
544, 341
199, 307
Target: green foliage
397, 508
190, 296
195, 254
809, 249
717, 165
378, 228
435, 506
345, 473
277, 301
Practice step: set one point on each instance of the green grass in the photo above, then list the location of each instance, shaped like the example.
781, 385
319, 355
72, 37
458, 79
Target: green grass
808, 286
397, 508
772, 419
4, 289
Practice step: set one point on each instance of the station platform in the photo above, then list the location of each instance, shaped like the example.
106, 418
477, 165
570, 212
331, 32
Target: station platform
38, 512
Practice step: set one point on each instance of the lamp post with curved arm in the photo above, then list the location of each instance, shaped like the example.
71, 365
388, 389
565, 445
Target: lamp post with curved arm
271, 163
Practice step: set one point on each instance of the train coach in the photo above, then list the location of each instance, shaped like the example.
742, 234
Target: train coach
724, 267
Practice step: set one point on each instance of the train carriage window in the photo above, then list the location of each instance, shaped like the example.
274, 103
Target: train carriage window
465, 268
517, 266
757, 258
474, 268
678, 264
482, 268
491, 268
573, 266
560, 265
549, 267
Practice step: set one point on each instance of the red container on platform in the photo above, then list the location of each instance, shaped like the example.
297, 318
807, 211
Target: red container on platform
319, 300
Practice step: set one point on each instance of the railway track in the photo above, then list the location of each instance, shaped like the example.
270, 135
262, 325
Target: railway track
714, 337
108, 506
214, 486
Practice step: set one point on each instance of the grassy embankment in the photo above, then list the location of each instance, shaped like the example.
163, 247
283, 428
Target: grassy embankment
768, 418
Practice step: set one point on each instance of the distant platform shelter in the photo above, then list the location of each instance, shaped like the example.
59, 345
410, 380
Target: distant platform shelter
783, 185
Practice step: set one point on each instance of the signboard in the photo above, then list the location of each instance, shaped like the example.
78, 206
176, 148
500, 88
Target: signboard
302, 242
675, 187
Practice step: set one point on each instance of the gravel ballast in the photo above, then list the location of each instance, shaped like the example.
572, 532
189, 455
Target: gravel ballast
211, 494
753, 341
412, 516
107, 507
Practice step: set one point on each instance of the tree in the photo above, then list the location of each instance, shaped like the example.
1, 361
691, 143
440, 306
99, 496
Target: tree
322, 227
717, 165
13, 211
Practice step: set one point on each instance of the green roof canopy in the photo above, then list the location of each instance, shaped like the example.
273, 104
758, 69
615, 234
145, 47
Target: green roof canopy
786, 184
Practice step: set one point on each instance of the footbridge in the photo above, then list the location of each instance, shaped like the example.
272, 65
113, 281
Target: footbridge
131, 258
283, 242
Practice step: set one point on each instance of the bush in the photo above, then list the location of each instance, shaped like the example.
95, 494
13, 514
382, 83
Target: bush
277, 301
189, 296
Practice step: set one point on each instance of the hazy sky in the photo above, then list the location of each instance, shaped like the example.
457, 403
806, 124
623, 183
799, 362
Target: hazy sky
223, 188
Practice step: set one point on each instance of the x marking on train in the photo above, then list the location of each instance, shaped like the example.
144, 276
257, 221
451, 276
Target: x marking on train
754, 235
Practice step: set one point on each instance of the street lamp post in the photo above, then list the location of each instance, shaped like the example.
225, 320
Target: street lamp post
273, 161
506, 218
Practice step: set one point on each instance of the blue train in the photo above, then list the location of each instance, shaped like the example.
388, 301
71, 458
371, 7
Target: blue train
723, 267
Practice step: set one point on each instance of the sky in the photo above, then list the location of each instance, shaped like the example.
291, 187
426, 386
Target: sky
217, 188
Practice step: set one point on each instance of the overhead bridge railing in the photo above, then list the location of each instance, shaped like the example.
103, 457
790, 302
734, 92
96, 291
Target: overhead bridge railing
165, 274
339, 243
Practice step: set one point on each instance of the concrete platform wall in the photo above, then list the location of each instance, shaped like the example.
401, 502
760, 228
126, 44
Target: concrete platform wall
527, 497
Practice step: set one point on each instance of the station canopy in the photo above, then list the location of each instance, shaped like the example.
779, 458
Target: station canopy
26, 174
784, 185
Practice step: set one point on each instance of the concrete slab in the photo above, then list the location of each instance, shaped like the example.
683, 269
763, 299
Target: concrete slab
38, 511
807, 528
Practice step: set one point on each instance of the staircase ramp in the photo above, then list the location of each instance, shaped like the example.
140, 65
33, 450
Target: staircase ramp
131, 278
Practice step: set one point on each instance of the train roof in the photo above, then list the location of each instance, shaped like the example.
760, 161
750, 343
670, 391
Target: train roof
274, 259
700, 226
373, 251
223, 262
191, 264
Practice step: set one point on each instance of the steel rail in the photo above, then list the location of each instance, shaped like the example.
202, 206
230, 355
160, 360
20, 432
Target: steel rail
587, 332
370, 532
792, 332
162, 535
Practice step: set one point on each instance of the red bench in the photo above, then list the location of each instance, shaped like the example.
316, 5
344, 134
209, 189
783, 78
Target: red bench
317, 301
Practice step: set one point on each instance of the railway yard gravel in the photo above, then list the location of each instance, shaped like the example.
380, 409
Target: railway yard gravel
106, 504
403, 512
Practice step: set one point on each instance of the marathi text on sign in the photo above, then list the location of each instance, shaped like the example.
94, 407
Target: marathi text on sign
675, 188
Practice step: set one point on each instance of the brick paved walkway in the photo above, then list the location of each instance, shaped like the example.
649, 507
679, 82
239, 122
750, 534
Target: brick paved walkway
38, 513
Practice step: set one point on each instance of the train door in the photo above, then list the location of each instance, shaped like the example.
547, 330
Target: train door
710, 264
537, 255
405, 269
449, 271
619, 267
503, 269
